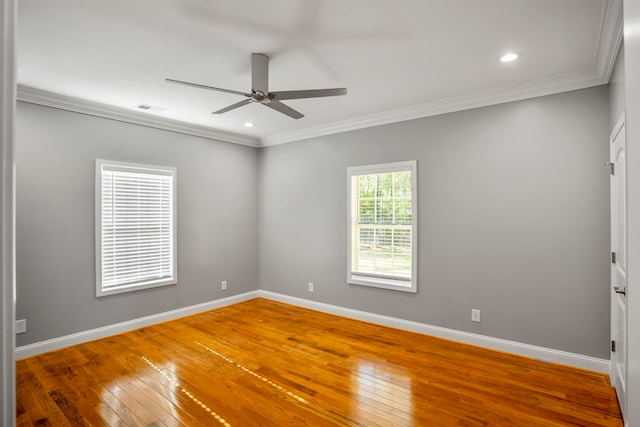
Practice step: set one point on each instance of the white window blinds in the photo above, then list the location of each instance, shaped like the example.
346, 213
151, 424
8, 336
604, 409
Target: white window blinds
383, 212
135, 216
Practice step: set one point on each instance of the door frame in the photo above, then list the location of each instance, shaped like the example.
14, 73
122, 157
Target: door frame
8, 10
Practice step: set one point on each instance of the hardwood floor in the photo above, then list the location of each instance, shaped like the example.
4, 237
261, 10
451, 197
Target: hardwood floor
263, 363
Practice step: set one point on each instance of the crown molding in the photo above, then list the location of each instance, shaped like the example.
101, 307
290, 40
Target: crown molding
449, 105
610, 38
64, 102
611, 32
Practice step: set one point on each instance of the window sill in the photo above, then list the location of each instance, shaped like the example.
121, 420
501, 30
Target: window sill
135, 287
384, 283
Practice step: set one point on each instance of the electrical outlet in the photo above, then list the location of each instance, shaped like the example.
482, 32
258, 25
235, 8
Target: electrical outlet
21, 326
475, 315
310, 287
223, 285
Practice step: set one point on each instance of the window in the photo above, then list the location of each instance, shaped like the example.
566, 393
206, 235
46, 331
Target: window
383, 226
135, 227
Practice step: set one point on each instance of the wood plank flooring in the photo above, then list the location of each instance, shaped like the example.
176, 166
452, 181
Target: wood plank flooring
263, 363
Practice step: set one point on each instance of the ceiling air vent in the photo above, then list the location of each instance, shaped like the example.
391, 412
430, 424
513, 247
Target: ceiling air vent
151, 108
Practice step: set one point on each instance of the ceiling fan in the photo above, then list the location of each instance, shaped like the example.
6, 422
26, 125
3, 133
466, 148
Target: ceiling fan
260, 90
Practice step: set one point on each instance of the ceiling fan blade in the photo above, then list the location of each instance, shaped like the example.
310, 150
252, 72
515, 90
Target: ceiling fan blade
260, 73
284, 109
233, 106
235, 92
313, 93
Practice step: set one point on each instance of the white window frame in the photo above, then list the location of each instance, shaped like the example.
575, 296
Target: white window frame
381, 281
101, 165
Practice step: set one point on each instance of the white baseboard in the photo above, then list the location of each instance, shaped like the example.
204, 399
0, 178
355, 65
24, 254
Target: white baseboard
536, 352
118, 328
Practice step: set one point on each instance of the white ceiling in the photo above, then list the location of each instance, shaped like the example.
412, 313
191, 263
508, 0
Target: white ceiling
399, 59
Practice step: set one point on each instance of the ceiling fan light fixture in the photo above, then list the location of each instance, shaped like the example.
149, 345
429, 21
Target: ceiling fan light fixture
509, 57
248, 124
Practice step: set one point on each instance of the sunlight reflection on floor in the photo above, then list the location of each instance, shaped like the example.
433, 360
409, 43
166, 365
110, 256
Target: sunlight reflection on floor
383, 390
173, 380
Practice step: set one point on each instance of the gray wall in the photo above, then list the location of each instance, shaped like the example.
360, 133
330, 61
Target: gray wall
514, 219
217, 219
616, 90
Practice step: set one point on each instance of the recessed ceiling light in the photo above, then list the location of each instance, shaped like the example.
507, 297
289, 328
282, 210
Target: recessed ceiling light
509, 57
248, 125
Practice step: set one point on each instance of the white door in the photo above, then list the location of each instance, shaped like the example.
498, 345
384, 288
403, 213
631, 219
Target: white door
619, 263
